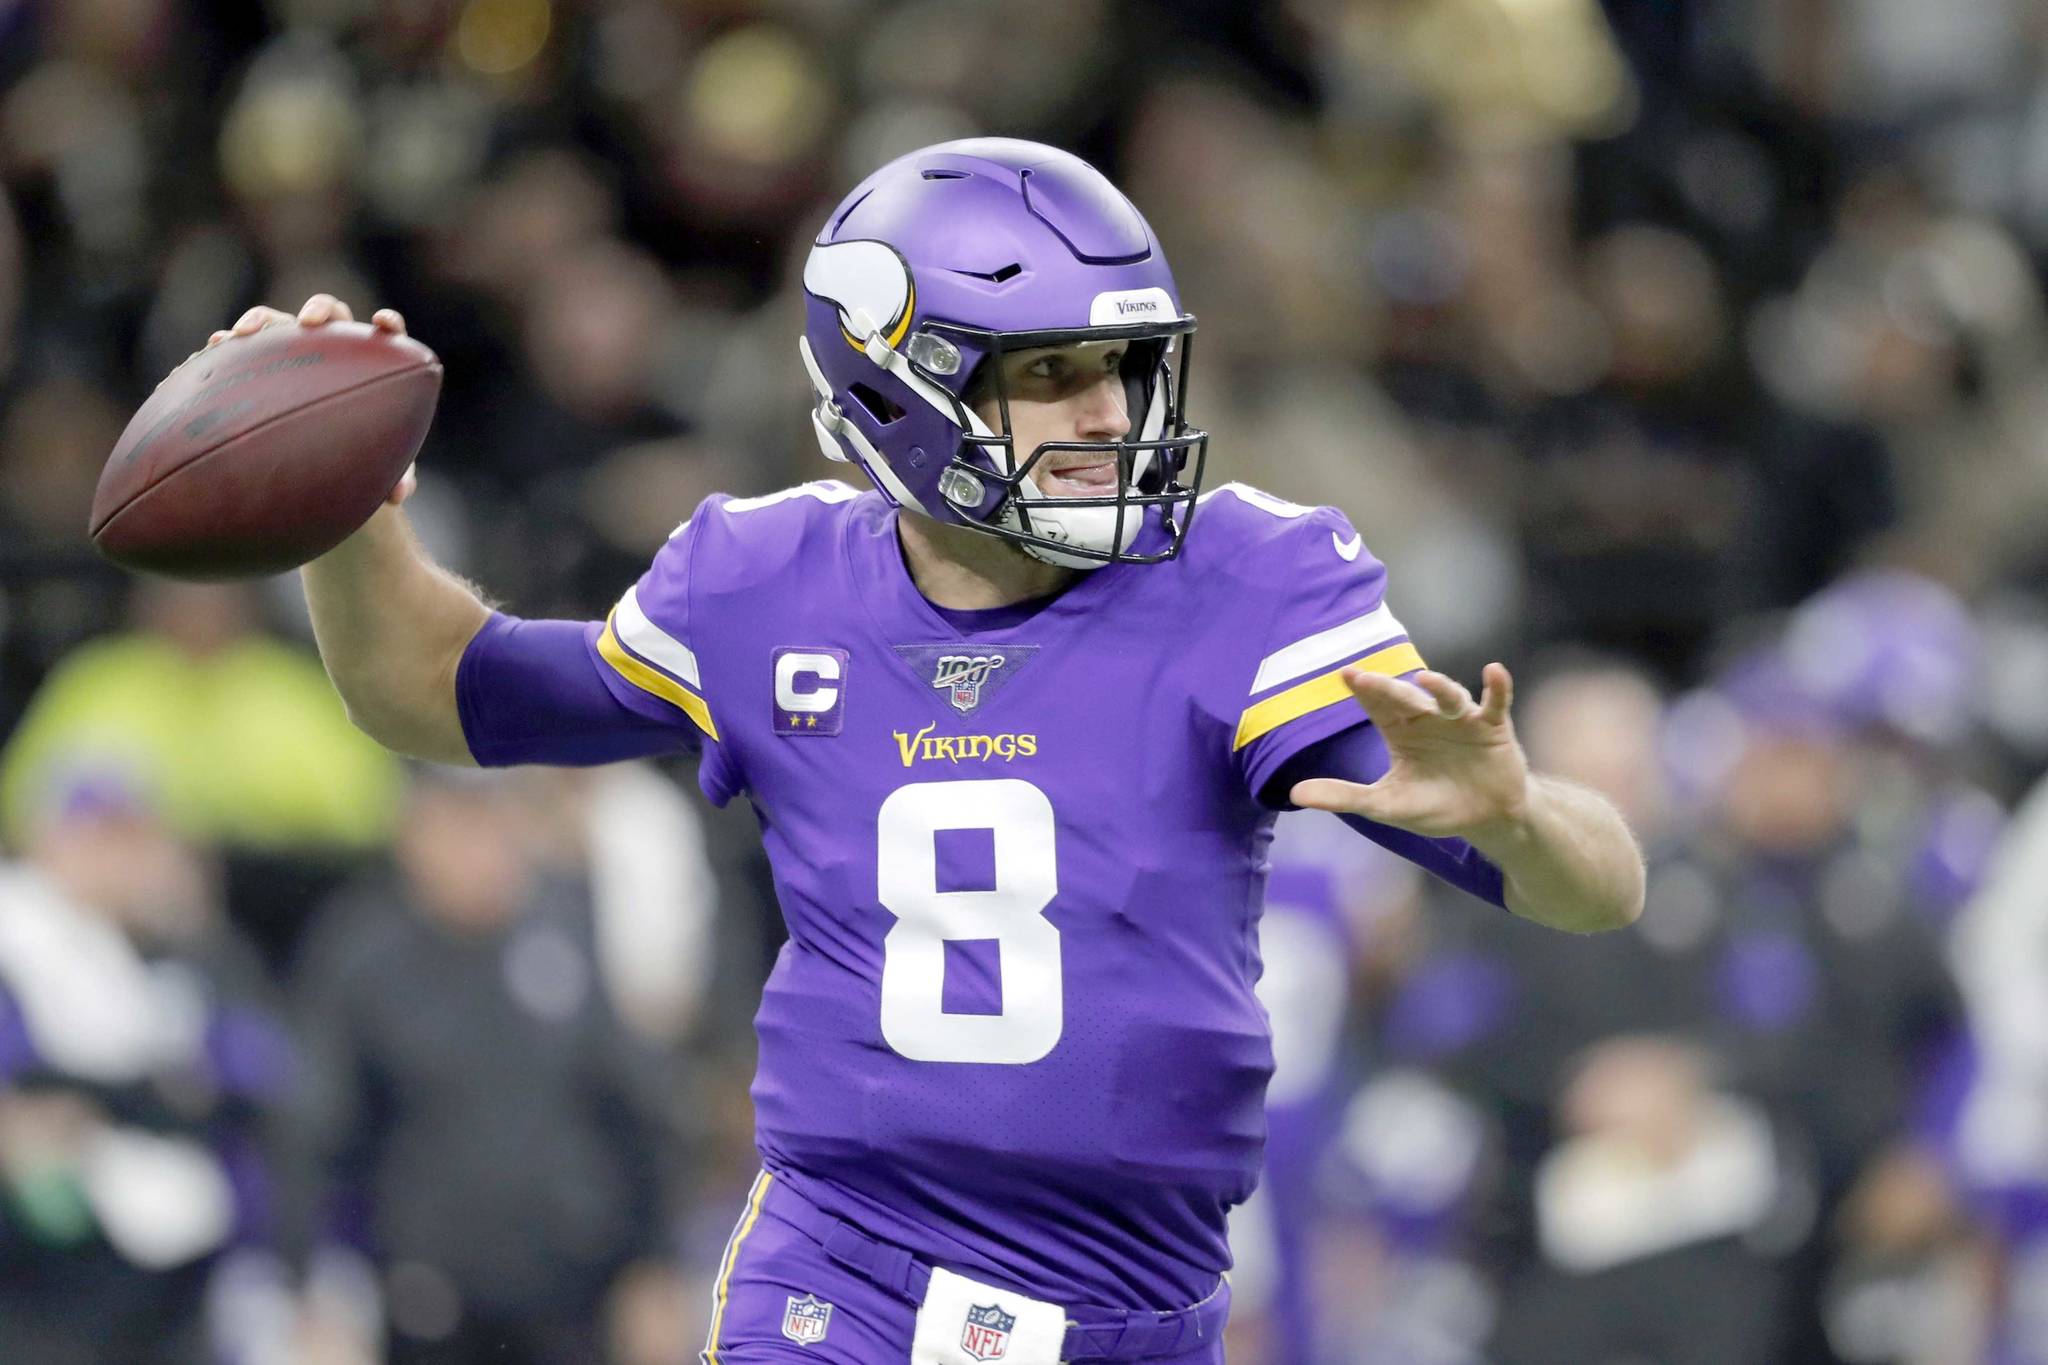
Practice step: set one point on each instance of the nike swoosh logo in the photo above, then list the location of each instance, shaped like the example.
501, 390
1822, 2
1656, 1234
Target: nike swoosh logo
1348, 549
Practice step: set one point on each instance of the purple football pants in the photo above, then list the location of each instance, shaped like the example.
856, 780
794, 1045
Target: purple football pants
775, 1276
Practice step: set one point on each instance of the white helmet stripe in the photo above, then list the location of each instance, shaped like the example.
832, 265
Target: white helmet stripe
818, 380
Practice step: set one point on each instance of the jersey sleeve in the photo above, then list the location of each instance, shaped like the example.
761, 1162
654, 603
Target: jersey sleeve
643, 650
531, 692
647, 653
629, 686
1326, 611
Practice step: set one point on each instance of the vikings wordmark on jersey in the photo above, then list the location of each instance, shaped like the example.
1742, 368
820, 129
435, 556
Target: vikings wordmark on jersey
926, 747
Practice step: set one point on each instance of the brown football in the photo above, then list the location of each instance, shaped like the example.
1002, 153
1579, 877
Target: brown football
265, 451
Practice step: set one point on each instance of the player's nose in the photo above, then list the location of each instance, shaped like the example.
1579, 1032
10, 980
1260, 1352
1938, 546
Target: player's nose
1104, 413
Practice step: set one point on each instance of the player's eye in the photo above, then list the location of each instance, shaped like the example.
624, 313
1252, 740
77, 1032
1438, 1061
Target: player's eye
1058, 370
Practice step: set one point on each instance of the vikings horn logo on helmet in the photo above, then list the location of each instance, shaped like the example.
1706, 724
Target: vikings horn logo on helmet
871, 285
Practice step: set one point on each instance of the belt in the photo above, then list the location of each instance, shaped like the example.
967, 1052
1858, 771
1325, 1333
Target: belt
1092, 1333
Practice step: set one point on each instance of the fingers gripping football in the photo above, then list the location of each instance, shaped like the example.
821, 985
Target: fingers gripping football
317, 311
314, 312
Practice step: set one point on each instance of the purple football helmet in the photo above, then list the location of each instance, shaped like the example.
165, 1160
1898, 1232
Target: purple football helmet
942, 261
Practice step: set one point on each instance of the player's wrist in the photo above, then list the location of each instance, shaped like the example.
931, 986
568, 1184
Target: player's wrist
383, 540
1515, 830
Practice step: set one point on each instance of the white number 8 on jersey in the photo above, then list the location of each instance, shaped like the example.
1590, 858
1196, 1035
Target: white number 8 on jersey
914, 1020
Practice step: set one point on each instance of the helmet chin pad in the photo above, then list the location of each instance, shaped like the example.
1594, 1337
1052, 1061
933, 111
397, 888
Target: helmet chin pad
1050, 526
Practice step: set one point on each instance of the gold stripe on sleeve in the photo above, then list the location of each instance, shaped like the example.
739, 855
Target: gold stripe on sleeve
653, 681
1313, 695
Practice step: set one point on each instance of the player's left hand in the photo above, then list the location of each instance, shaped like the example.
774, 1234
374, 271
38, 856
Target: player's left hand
1456, 768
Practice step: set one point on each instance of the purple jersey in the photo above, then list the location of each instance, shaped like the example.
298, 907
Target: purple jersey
1020, 856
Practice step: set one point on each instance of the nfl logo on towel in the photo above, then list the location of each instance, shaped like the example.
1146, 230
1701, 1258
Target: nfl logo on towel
987, 1334
806, 1318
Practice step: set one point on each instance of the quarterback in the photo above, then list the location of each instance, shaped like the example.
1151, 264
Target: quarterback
1015, 720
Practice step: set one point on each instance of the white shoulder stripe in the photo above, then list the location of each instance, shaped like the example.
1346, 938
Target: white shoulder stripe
824, 490
1259, 498
1327, 647
651, 642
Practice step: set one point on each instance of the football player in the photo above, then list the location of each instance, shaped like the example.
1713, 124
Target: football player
1016, 722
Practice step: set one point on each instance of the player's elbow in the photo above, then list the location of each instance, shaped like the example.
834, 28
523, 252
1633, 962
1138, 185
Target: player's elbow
1584, 917
1619, 914
372, 718
1635, 888
417, 720
1584, 909
1612, 878
415, 736
1620, 908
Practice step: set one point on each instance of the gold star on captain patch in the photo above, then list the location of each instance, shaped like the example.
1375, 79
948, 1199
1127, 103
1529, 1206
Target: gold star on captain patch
795, 721
811, 721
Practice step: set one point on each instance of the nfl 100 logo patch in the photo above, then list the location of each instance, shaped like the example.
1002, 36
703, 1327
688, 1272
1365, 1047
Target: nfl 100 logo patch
987, 1333
962, 676
805, 1320
966, 676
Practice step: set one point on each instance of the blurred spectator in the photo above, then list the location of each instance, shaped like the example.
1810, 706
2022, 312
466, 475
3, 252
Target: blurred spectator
56, 433
1653, 511
1715, 1131
241, 734
139, 1054
639, 843
1647, 1214
508, 1149
1598, 722
1930, 330
2002, 1136
1806, 962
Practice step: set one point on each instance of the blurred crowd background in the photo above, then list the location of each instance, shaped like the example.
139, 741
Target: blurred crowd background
1687, 354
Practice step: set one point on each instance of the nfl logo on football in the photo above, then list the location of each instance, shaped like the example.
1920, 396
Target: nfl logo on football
987, 1334
806, 1318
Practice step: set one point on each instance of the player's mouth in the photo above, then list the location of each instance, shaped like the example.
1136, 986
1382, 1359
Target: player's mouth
1091, 476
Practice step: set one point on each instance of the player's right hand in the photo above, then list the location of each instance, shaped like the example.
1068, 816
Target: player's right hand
318, 311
